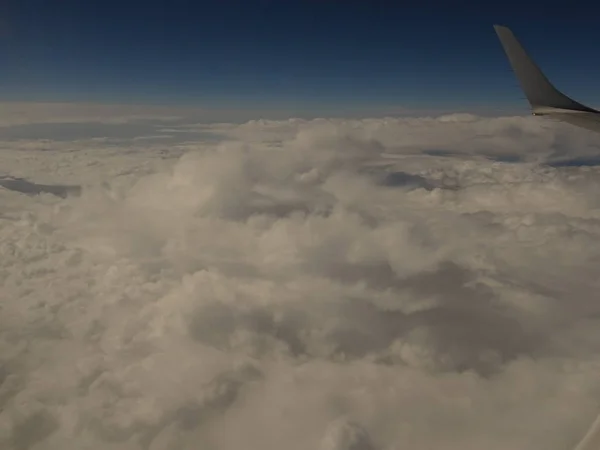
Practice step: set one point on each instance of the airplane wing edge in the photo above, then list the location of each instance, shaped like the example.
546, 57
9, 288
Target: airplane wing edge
541, 94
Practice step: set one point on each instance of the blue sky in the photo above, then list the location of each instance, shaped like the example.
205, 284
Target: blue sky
290, 53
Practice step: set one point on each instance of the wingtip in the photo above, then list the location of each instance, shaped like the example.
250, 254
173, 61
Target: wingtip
540, 92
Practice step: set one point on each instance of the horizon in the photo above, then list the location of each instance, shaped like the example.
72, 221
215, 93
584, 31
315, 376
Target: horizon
15, 113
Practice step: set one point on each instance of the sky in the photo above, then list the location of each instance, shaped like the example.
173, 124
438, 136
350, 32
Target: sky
295, 55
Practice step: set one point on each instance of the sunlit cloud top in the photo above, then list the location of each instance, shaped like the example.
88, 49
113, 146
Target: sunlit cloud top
328, 284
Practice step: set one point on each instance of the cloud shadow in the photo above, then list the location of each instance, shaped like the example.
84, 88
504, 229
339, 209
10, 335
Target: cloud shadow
27, 187
577, 162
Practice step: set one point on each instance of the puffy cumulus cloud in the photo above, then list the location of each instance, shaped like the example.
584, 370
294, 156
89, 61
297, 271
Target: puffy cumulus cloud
328, 284
508, 139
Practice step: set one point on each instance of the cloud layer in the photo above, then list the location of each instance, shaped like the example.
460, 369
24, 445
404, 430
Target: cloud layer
372, 284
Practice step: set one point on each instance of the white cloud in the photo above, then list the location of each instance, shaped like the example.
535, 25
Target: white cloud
329, 284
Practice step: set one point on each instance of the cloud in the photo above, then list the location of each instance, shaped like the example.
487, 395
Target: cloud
333, 284
23, 114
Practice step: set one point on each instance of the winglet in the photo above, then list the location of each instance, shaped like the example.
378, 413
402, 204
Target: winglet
542, 95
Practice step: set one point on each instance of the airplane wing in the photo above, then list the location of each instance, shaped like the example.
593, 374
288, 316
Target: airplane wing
543, 97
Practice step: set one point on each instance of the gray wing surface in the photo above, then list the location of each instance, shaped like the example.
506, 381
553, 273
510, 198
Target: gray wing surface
543, 97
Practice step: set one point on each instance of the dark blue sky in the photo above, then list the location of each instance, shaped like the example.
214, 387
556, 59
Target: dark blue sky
310, 53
